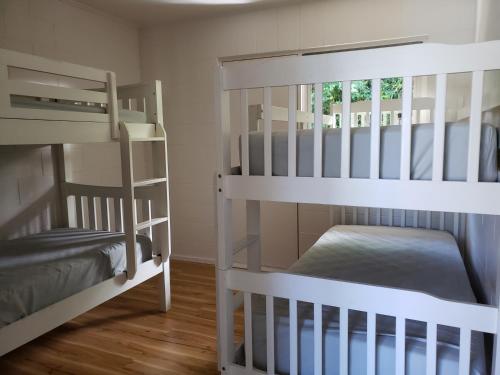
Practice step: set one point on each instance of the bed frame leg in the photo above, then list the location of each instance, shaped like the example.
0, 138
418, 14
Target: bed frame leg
164, 280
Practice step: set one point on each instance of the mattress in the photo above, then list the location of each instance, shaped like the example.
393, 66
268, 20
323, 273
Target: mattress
29, 102
42, 269
414, 259
455, 163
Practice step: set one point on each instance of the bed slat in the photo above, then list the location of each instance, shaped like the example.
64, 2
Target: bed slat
270, 334
293, 337
292, 131
79, 211
318, 339
406, 128
247, 297
371, 342
464, 359
345, 164
268, 123
475, 126
244, 132
431, 348
105, 214
400, 345
375, 131
439, 128
343, 340
318, 128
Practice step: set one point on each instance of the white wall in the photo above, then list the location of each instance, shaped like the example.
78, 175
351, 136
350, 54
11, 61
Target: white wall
63, 30
184, 55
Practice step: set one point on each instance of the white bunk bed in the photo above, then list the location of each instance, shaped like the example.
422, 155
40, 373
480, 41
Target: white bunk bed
273, 300
119, 236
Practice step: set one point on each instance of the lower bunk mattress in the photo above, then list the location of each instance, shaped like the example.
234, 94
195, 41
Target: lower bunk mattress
414, 259
39, 270
455, 158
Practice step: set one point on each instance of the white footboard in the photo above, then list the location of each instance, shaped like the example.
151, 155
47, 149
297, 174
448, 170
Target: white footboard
374, 300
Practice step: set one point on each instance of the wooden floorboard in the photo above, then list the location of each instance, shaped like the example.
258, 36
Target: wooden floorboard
129, 335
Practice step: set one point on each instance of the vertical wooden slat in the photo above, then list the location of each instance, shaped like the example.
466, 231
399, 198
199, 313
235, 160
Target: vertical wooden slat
92, 214
270, 333
105, 214
247, 300
403, 218
293, 337
318, 129
400, 345
292, 131
318, 339
354, 220
345, 159
268, 124
441, 221
464, 359
375, 131
431, 348
378, 216
371, 343
406, 128
79, 211
244, 132
439, 128
415, 219
342, 215
343, 340
475, 126
366, 212
118, 214
391, 216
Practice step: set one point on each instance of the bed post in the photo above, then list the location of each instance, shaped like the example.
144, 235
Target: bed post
60, 180
224, 230
162, 232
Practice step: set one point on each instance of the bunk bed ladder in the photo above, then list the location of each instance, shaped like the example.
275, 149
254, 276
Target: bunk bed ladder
155, 217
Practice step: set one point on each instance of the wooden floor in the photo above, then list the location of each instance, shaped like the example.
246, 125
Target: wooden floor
128, 335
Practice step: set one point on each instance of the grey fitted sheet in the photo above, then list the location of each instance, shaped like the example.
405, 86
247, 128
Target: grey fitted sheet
30, 102
456, 146
42, 269
415, 259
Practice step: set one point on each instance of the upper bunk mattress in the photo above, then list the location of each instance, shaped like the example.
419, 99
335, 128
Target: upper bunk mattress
33, 103
415, 259
455, 161
42, 269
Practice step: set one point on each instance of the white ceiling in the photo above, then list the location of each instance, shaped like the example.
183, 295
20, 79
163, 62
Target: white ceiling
154, 12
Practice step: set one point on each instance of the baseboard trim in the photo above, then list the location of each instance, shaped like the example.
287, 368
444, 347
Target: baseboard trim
194, 259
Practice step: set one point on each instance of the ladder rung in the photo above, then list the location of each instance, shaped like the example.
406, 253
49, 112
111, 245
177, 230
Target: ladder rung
244, 243
148, 139
150, 181
150, 223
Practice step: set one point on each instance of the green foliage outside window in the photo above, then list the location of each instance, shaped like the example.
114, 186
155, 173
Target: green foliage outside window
391, 88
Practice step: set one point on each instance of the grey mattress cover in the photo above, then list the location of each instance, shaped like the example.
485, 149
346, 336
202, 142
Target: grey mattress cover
456, 146
414, 259
39, 270
29, 102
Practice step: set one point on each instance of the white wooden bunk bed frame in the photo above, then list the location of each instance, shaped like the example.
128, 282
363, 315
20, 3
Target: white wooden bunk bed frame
237, 285
113, 209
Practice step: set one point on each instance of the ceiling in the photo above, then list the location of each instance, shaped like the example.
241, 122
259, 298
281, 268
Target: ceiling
154, 12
